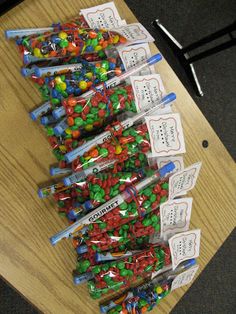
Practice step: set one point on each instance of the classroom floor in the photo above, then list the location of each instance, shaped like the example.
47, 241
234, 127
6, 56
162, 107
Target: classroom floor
214, 291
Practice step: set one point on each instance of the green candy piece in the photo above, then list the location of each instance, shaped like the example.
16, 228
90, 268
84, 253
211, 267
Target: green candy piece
107, 279
105, 64
125, 227
130, 272
64, 94
146, 222
105, 267
103, 152
78, 121
113, 264
102, 105
95, 188
96, 269
146, 204
94, 110
78, 109
121, 265
139, 240
63, 43
94, 247
153, 198
165, 186
123, 272
61, 204
50, 131
74, 144
147, 192
95, 295
139, 139
154, 219
102, 225
55, 101
142, 303
123, 206
148, 268
114, 98
163, 199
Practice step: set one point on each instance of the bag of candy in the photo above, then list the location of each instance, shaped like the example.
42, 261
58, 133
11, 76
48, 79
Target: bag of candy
146, 296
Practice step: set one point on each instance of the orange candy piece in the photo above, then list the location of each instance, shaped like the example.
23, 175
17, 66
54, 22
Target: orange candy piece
122, 40
75, 133
71, 102
118, 71
94, 153
70, 121
92, 34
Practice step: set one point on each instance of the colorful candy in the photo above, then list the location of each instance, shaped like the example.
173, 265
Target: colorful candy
68, 42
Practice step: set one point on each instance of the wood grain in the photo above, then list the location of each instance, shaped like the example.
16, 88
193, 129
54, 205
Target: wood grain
27, 260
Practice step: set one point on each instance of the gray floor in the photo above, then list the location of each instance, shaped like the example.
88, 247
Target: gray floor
214, 292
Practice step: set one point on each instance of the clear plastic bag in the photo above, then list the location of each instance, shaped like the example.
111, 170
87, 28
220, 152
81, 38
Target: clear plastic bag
67, 42
116, 275
146, 201
121, 146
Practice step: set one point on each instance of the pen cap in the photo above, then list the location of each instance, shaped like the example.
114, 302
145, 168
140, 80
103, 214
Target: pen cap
168, 98
154, 59
166, 169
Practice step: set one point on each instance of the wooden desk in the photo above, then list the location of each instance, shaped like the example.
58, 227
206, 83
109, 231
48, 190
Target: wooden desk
27, 261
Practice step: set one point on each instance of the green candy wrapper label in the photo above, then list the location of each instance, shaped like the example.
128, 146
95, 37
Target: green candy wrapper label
184, 278
184, 181
184, 246
175, 216
166, 135
103, 16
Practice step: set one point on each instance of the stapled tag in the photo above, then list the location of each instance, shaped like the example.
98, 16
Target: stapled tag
184, 278
175, 216
184, 246
103, 16
135, 54
166, 134
148, 90
135, 33
177, 160
184, 180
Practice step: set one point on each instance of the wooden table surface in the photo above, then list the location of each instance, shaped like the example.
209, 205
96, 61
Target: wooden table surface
27, 260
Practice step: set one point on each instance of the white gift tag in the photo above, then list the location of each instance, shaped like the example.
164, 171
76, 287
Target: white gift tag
136, 54
177, 160
166, 134
148, 90
184, 246
184, 180
184, 278
135, 33
175, 216
103, 16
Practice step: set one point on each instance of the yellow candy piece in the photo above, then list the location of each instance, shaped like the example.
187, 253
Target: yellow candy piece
88, 127
83, 84
62, 35
62, 148
68, 131
159, 290
116, 39
58, 80
87, 158
98, 47
62, 85
118, 149
37, 53
89, 75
